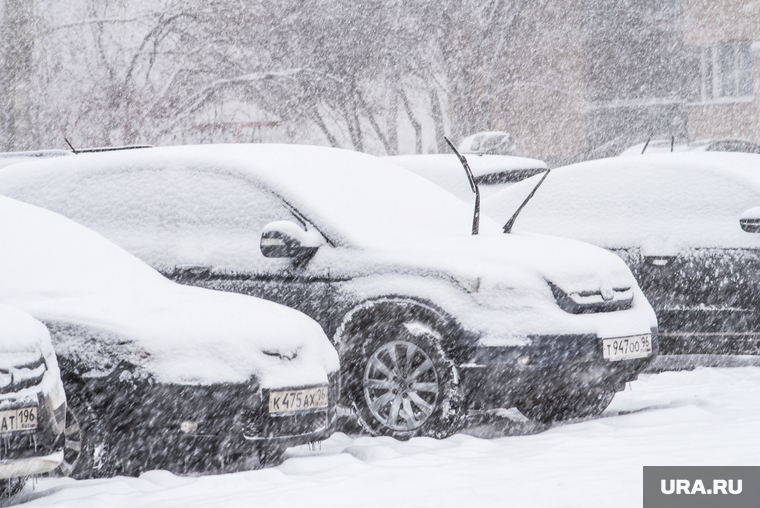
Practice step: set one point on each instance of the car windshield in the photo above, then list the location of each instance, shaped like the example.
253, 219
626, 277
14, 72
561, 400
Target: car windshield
358, 199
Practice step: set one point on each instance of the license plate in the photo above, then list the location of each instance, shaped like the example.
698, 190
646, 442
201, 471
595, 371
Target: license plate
627, 348
18, 419
292, 401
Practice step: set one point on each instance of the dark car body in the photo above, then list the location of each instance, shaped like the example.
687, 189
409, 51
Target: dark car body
679, 221
161, 375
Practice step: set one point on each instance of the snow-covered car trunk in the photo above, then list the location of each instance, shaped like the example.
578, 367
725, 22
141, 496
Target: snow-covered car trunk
146, 361
429, 320
32, 400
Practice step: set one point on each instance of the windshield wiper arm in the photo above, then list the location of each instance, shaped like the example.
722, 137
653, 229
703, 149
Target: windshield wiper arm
511, 221
473, 186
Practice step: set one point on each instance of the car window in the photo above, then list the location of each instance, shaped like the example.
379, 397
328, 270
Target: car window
165, 215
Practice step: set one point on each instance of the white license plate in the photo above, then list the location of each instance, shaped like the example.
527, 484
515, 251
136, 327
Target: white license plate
18, 419
291, 401
627, 348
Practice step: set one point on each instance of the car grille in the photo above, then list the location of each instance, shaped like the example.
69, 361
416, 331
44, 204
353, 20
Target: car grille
23, 373
586, 302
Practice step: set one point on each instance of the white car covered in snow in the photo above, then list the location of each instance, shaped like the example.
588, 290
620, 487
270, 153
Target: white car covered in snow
160, 374
488, 142
700, 145
491, 172
429, 320
32, 401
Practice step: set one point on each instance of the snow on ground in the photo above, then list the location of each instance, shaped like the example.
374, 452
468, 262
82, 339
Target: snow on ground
708, 416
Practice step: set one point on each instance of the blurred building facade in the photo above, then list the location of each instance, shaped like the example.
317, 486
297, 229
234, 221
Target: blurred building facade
614, 73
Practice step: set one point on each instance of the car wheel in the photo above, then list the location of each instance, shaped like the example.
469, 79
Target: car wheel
407, 385
565, 406
11, 486
84, 450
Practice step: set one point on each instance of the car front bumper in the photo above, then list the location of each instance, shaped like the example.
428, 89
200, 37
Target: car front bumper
33, 451
505, 376
194, 429
38, 464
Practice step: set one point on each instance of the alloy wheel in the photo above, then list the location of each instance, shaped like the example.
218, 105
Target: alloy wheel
401, 385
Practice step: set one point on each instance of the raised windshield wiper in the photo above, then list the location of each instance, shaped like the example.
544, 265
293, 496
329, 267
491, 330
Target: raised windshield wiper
473, 186
511, 221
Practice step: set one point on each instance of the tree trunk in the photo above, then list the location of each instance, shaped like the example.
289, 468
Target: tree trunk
17, 126
435, 106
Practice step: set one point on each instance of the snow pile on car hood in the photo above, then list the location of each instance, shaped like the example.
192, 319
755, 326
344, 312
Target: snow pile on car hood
21, 333
23, 342
61, 272
496, 286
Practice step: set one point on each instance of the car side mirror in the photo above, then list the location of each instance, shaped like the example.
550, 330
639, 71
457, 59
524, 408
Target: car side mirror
285, 239
750, 220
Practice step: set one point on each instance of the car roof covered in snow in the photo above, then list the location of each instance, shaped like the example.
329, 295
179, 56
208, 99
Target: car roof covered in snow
353, 198
64, 274
661, 203
446, 171
700, 145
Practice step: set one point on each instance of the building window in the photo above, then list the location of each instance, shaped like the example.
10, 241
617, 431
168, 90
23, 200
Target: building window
726, 70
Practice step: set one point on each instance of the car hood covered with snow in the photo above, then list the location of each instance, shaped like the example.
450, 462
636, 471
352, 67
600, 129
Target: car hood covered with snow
28, 364
72, 278
498, 286
21, 334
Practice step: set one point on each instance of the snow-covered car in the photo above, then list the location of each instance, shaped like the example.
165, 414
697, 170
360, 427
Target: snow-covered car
160, 374
492, 172
32, 401
700, 145
429, 320
683, 222
488, 142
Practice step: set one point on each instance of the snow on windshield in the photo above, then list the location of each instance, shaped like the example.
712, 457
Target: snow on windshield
661, 203
353, 198
363, 199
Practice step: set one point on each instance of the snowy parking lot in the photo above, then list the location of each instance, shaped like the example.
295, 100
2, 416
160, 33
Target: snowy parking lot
707, 416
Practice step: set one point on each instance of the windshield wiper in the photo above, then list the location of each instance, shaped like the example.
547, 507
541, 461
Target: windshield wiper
511, 221
473, 186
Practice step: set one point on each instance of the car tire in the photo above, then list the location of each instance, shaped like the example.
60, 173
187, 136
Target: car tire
403, 384
566, 406
85, 444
